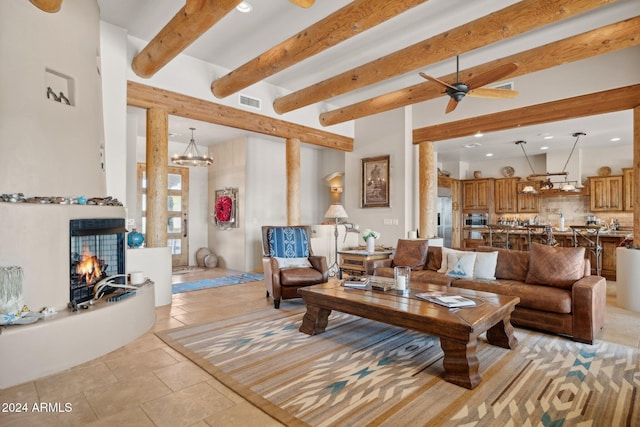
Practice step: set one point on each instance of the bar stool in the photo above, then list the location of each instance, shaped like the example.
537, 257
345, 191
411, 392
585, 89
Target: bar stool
499, 236
588, 236
540, 234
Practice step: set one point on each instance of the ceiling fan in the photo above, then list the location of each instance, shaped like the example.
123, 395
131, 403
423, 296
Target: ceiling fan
473, 87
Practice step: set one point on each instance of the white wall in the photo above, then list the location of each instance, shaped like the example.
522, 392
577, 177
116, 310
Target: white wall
48, 148
379, 135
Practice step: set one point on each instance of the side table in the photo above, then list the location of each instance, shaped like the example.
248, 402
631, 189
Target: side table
359, 262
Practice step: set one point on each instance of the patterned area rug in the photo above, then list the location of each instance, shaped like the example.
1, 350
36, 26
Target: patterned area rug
214, 283
360, 372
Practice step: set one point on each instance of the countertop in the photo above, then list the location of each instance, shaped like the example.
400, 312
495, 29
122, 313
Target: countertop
567, 232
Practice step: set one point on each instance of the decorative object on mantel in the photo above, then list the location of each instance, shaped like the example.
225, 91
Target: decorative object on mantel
507, 171
477, 174
604, 171
547, 184
370, 236
60, 200
375, 182
192, 156
226, 209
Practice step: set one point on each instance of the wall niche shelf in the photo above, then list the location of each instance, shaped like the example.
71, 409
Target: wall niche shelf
59, 87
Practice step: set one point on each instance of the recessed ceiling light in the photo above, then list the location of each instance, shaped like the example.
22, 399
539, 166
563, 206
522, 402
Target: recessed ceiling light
472, 145
478, 134
244, 7
544, 148
489, 154
615, 139
548, 137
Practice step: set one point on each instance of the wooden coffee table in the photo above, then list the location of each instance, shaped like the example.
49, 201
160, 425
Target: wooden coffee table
458, 329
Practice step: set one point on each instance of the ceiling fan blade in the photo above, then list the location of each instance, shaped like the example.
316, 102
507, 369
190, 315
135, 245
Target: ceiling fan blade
435, 80
491, 75
303, 3
451, 106
485, 92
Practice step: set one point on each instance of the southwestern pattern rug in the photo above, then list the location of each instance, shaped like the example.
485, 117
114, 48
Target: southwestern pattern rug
178, 288
361, 373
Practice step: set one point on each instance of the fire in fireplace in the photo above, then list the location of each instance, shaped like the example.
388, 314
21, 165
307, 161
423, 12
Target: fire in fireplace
97, 252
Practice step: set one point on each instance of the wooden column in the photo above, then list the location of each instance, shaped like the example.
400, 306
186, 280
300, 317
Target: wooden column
293, 181
157, 175
636, 176
428, 190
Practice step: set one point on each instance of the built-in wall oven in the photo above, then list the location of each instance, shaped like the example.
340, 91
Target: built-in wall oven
475, 220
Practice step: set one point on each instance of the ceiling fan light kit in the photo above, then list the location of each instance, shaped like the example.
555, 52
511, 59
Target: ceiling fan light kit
473, 87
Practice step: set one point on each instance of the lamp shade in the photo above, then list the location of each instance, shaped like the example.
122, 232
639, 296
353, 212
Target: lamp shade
336, 211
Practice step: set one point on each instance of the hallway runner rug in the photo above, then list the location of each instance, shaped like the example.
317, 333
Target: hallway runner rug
360, 373
178, 288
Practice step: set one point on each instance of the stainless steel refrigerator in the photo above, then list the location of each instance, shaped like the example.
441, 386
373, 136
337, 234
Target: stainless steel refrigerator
444, 215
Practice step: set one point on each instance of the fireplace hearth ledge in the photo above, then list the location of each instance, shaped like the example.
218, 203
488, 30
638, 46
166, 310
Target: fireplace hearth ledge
67, 339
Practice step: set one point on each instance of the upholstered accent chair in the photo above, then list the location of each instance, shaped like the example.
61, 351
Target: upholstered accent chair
289, 262
409, 253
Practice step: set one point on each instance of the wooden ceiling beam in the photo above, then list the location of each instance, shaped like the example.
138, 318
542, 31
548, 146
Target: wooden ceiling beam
144, 96
50, 6
607, 101
351, 20
516, 19
586, 45
196, 17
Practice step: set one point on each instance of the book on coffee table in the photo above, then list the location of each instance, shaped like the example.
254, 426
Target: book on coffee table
447, 300
356, 282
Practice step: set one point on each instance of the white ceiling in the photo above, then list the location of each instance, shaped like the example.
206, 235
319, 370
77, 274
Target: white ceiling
239, 37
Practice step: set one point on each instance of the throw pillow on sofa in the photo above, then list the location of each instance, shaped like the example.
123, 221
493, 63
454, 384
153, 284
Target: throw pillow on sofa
555, 266
485, 267
445, 254
461, 264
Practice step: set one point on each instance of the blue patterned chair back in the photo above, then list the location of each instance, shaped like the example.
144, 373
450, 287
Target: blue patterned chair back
288, 242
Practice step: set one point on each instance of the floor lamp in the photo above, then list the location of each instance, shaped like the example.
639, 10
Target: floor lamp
335, 211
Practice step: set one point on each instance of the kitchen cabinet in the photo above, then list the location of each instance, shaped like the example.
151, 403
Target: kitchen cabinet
477, 195
627, 184
505, 194
606, 193
527, 203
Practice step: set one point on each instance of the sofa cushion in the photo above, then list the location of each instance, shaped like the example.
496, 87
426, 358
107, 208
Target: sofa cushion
299, 276
555, 266
461, 264
301, 262
434, 258
429, 277
411, 253
485, 267
534, 297
512, 265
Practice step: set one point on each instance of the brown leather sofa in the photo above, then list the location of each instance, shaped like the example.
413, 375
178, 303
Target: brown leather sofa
575, 308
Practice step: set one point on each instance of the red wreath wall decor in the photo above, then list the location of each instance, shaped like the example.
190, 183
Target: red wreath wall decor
224, 208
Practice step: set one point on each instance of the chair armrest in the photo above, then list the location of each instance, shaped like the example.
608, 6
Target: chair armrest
319, 262
377, 263
589, 299
268, 280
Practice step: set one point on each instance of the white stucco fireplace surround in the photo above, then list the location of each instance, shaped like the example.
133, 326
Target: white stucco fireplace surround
38, 242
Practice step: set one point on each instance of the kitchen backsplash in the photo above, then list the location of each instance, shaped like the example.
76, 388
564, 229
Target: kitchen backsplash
575, 210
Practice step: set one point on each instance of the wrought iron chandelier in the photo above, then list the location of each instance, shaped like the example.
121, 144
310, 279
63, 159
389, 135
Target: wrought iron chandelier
192, 156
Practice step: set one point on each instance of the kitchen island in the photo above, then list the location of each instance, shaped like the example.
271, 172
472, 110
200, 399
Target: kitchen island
609, 240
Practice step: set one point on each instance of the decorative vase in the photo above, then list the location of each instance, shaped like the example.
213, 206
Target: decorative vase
135, 239
371, 244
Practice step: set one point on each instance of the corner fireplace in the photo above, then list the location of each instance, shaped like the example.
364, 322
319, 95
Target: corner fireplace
97, 252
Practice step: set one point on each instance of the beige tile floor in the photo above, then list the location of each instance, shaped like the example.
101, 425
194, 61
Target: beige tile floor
146, 383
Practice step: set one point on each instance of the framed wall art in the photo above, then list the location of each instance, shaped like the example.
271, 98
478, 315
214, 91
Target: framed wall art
375, 182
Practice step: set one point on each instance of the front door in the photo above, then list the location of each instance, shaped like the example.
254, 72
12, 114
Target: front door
177, 211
